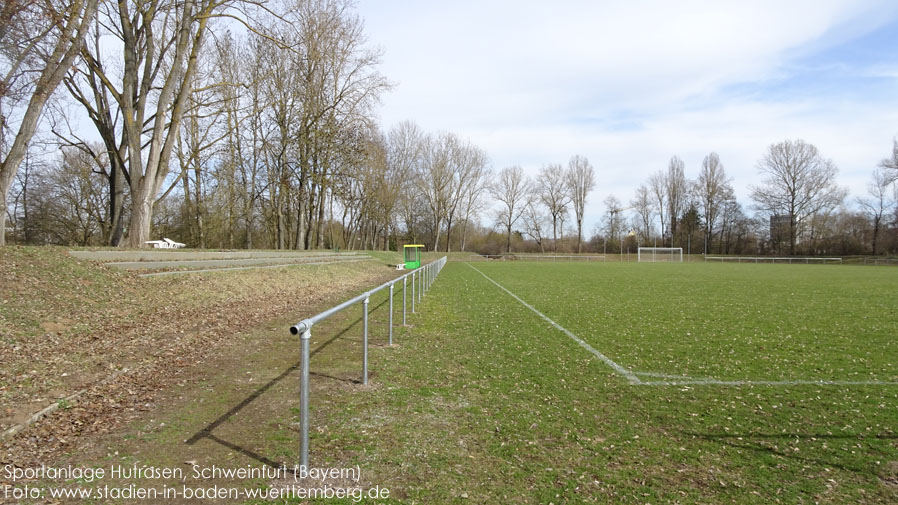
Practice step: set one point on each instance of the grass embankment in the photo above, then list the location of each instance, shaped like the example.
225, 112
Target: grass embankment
70, 325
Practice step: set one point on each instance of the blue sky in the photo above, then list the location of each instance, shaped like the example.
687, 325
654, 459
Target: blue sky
629, 84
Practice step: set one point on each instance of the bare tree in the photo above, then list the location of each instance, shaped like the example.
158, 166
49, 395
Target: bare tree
535, 224
38, 44
550, 184
614, 223
66, 204
404, 150
78, 199
511, 190
676, 190
645, 210
712, 189
435, 180
732, 224
24, 189
879, 201
240, 70
340, 85
580, 181
194, 150
658, 190
405, 144
468, 163
160, 43
890, 164
473, 201
798, 183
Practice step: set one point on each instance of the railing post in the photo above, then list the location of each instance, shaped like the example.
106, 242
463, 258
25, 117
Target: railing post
404, 289
391, 314
413, 291
365, 343
304, 400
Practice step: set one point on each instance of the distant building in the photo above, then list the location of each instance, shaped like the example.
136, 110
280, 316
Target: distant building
779, 227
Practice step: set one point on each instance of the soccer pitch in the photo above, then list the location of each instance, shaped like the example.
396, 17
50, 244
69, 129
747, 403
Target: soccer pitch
634, 383
721, 324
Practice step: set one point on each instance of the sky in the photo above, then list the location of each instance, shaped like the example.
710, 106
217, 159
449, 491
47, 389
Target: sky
630, 84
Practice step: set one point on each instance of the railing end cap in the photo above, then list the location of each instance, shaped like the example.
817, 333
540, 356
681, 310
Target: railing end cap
302, 329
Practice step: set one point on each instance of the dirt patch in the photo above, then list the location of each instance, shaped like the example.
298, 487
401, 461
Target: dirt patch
889, 475
58, 328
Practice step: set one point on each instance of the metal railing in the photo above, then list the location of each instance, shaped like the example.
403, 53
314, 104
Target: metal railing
534, 257
880, 261
770, 259
421, 280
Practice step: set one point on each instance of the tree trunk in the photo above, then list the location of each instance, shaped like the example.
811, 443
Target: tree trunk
508, 243
319, 221
792, 235
141, 219
188, 206
116, 202
200, 210
448, 234
554, 236
5, 183
436, 235
248, 213
280, 220
301, 222
876, 222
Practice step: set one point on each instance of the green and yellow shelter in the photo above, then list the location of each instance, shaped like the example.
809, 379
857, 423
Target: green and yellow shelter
412, 255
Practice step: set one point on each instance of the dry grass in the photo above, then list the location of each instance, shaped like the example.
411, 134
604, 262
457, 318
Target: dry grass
68, 325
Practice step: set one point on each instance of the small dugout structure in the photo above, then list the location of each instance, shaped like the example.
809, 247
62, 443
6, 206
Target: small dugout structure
412, 255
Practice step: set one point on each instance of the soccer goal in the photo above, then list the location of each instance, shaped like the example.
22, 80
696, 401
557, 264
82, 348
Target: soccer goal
648, 254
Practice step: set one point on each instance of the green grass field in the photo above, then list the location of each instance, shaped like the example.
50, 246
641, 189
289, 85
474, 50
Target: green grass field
540, 383
714, 394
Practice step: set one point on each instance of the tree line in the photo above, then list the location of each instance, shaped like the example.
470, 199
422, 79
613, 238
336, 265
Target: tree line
250, 124
798, 208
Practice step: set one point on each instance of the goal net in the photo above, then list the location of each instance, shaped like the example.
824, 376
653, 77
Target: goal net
649, 254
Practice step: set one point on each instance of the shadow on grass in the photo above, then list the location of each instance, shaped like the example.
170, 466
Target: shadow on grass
755, 442
206, 432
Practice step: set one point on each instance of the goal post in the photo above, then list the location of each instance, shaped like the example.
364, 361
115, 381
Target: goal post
653, 254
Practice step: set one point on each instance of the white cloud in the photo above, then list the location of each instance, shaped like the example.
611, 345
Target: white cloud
629, 84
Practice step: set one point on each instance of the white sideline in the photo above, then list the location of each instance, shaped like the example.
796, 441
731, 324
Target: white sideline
714, 382
608, 361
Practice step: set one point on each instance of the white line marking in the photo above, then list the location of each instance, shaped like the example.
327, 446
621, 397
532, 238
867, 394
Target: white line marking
715, 382
672, 376
608, 361
684, 380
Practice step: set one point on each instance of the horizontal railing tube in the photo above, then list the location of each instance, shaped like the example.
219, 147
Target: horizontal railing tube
299, 327
304, 329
